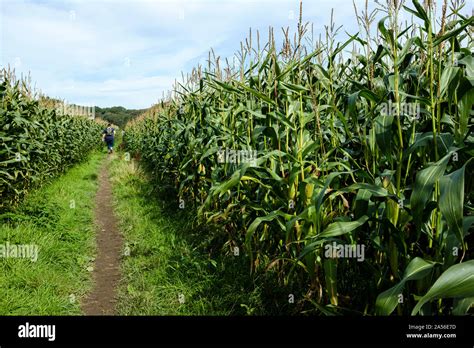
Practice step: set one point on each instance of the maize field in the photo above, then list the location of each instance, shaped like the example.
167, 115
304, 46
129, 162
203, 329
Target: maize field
303, 154
37, 142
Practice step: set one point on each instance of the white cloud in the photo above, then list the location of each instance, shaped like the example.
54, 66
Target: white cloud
128, 52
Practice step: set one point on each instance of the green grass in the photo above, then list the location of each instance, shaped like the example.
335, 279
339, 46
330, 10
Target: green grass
367, 150
54, 284
170, 257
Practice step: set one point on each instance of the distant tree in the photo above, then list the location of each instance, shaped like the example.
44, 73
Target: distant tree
118, 114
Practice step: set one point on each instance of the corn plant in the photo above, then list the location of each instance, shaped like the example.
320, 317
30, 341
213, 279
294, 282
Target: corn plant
37, 143
368, 149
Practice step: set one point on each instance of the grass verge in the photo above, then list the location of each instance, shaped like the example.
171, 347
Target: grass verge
58, 219
168, 269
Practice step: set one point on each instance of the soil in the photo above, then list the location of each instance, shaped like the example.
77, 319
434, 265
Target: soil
106, 274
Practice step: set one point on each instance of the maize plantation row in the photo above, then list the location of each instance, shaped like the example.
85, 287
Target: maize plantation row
297, 153
37, 142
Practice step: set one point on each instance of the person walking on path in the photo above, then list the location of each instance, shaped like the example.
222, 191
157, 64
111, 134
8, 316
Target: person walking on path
108, 136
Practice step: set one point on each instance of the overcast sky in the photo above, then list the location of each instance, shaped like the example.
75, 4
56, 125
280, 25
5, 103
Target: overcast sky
127, 52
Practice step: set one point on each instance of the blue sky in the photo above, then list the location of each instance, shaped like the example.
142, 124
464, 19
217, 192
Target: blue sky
128, 52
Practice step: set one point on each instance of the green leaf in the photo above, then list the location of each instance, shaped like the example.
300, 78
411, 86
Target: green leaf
468, 62
449, 73
208, 153
339, 48
462, 306
293, 87
465, 109
226, 86
467, 223
420, 12
311, 246
454, 32
270, 217
373, 189
444, 140
320, 197
383, 132
452, 200
282, 118
457, 281
338, 228
423, 188
387, 34
387, 301
254, 225
258, 94
233, 181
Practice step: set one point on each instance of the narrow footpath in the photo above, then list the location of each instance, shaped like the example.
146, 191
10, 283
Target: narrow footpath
106, 274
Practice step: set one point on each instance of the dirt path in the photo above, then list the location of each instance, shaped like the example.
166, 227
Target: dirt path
106, 274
